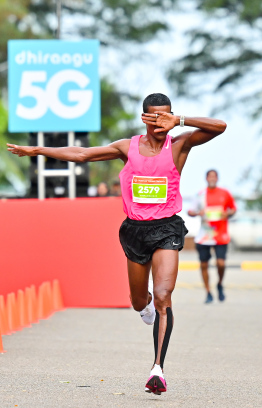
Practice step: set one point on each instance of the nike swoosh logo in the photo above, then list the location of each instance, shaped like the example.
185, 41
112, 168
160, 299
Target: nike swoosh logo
167, 146
175, 243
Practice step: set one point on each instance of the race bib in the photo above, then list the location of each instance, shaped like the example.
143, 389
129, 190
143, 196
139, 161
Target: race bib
214, 213
149, 190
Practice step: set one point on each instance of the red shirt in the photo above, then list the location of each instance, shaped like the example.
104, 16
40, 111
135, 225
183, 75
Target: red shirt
218, 197
214, 230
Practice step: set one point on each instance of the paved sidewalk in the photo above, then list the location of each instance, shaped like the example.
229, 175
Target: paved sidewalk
101, 357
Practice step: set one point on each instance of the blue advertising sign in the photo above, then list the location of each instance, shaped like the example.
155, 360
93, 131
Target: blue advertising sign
53, 85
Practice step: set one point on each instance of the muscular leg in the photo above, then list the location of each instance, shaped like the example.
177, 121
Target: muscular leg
164, 270
204, 271
138, 282
221, 272
220, 269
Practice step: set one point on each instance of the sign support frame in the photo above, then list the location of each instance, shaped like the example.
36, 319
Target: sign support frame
42, 172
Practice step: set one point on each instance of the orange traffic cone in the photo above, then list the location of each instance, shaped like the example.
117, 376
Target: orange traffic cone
12, 312
34, 304
58, 303
22, 309
4, 328
1, 345
42, 302
29, 305
48, 299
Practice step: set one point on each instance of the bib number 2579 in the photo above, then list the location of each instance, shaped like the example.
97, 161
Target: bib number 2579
149, 190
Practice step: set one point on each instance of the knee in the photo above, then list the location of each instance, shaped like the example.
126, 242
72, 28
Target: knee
162, 299
204, 265
221, 263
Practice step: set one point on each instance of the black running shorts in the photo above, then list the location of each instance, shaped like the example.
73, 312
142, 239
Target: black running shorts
140, 239
205, 254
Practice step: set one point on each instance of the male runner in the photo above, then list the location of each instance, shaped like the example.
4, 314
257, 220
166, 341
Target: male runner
215, 205
152, 233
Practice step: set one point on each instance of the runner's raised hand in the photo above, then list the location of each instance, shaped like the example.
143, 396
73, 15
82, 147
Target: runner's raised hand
21, 150
163, 120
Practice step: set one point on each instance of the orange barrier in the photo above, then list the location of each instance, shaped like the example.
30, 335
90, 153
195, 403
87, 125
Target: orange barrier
12, 313
22, 309
29, 305
4, 327
75, 241
28, 308
42, 302
49, 299
34, 314
1, 345
57, 296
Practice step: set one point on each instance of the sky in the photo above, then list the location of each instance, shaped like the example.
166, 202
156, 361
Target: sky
230, 153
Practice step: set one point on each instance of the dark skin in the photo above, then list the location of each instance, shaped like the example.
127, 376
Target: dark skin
164, 262
212, 180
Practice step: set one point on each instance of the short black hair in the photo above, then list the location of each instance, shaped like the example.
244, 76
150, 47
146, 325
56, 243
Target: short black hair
209, 171
156, 99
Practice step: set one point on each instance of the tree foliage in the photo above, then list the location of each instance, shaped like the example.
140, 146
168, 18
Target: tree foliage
110, 21
224, 58
117, 24
125, 20
224, 55
117, 123
249, 11
113, 22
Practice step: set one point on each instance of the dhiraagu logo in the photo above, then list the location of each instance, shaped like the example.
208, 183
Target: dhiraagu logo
53, 85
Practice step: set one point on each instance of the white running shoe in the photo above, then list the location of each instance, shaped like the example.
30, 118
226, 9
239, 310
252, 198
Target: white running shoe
156, 382
148, 314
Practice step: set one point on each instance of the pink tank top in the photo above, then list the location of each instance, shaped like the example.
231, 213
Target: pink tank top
150, 185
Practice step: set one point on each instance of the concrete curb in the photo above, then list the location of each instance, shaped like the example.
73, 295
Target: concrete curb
244, 266
251, 265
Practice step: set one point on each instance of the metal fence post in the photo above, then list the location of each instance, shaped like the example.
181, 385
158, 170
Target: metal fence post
71, 166
42, 172
40, 168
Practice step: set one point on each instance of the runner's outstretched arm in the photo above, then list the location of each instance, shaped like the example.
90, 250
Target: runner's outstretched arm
113, 151
207, 128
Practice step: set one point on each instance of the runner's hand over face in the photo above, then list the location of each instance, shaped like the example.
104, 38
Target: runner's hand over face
164, 121
21, 150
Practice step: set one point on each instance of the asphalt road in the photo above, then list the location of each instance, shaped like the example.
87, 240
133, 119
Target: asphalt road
102, 357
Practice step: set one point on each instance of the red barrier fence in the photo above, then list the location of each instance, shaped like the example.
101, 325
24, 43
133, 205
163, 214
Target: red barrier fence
74, 241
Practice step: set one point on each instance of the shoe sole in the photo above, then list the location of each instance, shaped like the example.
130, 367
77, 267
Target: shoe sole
156, 385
